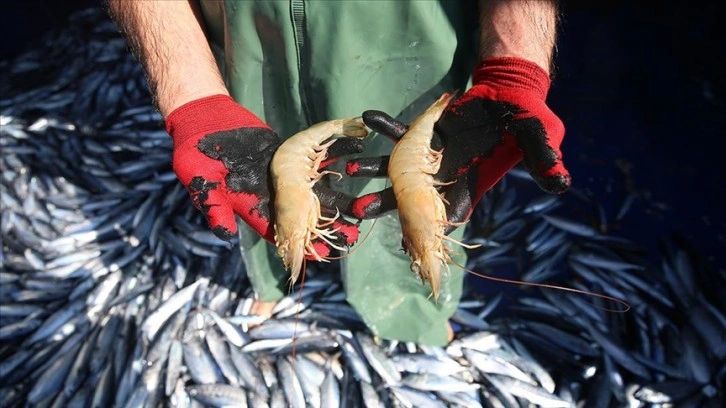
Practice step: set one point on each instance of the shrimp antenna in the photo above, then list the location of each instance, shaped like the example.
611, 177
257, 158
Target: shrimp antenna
297, 314
358, 245
625, 304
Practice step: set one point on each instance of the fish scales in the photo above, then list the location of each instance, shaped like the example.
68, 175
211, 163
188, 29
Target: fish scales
93, 210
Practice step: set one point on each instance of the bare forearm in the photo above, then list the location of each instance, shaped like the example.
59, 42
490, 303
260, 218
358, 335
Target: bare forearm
168, 39
519, 28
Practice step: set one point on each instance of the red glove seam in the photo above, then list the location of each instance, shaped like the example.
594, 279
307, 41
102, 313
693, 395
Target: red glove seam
511, 72
207, 115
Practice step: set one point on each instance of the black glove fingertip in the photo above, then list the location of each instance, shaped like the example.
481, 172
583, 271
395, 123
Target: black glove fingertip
556, 184
331, 199
373, 205
223, 233
346, 146
347, 232
384, 124
367, 167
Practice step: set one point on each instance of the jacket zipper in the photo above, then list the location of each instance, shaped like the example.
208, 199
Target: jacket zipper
297, 11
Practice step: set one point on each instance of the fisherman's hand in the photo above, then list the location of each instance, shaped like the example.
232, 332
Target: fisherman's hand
500, 121
222, 154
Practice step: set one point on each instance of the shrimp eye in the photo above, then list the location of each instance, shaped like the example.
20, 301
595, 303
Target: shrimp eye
416, 267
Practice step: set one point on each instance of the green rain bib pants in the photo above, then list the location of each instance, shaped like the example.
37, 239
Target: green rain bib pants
295, 63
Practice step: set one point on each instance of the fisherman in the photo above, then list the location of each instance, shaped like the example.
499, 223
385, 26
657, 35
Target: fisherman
232, 78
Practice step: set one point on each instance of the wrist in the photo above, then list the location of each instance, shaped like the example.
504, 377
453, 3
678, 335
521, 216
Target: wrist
525, 29
208, 115
543, 62
512, 73
168, 102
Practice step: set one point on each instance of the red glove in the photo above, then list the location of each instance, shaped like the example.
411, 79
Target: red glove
222, 154
501, 120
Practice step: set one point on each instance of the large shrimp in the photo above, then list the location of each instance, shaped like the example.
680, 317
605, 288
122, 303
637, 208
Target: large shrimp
421, 208
295, 169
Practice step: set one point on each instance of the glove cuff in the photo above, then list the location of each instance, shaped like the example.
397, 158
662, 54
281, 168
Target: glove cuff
511, 72
208, 115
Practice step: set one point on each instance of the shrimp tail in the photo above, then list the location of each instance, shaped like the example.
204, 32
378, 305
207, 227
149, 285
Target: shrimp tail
293, 253
443, 101
435, 111
428, 268
432, 265
353, 127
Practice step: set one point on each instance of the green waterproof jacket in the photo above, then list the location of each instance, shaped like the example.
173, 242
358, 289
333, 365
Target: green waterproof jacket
295, 63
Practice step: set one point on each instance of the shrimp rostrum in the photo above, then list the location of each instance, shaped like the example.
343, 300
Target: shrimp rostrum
295, 168
421, 208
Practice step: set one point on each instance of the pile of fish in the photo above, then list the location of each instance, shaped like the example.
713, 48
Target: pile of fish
113, 292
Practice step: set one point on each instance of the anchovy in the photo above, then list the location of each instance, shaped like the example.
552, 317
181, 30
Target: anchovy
597, 261
290, 384
218, 395
412, 398
466, 399
200, 363
278, 329
433, 382
55, 322
115, 291
619, 354
575, 344
370, 395
220, 353
570, 226
51, 382
19, 328
488, 363
380, 362
307, 367
310, 387
267, 344
426, 364
277, 398
480, 341
249, 373
309, 343
350, 391
353, 357
173, 366
153, 322
330, 391
527, 391
468, 319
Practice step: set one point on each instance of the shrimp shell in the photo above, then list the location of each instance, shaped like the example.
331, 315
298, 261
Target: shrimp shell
421, 209
294, 170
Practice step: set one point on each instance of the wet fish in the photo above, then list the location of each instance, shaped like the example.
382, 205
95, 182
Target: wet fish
153, 322
219, 395
330, 391
201, 364
381, 363
290, 384
115, 292
433, 382
426, 364
528, 392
